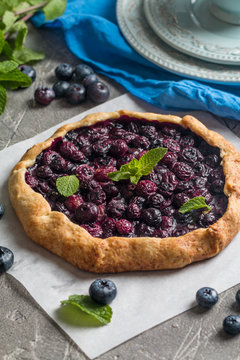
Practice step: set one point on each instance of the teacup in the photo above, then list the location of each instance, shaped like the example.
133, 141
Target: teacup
226, 10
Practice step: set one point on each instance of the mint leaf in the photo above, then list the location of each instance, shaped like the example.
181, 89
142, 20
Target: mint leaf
54, 9
135, 169
150, 159
23, 5
102, 313
15, 79
2, 41
25, 55
198, 202
21, 28
8, 51
7, 66
67, 185
119, 175
3, 99
135, 178
8, 20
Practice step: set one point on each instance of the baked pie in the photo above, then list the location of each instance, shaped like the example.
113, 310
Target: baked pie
116, 226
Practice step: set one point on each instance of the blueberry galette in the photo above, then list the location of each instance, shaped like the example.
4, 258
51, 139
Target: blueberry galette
97, 194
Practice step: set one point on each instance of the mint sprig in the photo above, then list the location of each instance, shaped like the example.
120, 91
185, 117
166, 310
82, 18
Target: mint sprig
13, 31
67, 185
103, 313
198, 202
135, 169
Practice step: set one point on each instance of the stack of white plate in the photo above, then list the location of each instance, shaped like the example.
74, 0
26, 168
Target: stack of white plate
182, 36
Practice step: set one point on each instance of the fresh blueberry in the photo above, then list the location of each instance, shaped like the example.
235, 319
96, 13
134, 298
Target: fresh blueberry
64, 71
76, 94
98, 92
6, 259
238, 297
60, 88
28, 70
231, 324
206, 297
1, 210
89, 79
103, 291
44, 95
81, 71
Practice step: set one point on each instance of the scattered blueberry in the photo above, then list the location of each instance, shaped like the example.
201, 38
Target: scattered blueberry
44, 95
28, 70
206, 297
103, 291
98, 92
81, 71
89, 79
238, 297
76, 94
60, 88
64, 71
6, 259
231, 324
1, 210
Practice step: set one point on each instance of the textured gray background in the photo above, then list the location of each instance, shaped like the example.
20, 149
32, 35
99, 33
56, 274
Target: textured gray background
26, 332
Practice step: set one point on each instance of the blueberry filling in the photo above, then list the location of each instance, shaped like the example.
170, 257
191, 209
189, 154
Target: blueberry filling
106, 208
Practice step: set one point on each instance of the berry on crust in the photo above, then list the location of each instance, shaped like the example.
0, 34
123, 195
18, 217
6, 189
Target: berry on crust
118, 226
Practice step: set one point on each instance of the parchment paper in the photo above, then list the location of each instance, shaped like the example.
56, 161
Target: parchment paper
144, 299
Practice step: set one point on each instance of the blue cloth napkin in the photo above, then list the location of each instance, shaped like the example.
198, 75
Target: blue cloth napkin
91, 32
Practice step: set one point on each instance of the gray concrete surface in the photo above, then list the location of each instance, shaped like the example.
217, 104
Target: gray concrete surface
26, 332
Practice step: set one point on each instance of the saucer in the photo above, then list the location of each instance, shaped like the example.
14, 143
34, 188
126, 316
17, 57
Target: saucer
190, 27
138, 33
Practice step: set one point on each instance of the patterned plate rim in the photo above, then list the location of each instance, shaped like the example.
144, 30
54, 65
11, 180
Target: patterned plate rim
186, 69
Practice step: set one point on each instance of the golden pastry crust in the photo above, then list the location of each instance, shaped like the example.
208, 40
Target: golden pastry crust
54, 231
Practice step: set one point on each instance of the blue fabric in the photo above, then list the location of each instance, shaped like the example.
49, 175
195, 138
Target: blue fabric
91, 32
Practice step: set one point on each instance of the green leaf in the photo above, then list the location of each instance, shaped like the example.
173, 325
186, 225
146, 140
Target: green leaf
2, 41
103, 313
135, 169
7, 66
150, 159
25, 55
198, 202
3, 8
8, 51
15, 79
3, 99
21, 28
8, 20
135, 178
54, 9
67, 185
119, 175
35, 2
23, 5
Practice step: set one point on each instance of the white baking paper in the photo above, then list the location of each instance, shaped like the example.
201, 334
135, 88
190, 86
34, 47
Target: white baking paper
144, 299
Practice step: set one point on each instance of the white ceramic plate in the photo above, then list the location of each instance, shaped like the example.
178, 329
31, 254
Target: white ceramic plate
190, 27
141, 37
